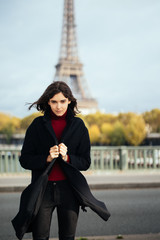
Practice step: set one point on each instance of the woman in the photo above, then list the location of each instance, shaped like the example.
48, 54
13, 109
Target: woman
59, 138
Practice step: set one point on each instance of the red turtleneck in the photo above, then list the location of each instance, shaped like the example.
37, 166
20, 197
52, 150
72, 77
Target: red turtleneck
58, 124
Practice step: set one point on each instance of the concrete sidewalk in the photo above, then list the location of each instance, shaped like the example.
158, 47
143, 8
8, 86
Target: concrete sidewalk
115, 237
96, 180
127, 237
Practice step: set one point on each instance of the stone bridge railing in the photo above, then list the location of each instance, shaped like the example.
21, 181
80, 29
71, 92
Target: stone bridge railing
125, 158
102, 158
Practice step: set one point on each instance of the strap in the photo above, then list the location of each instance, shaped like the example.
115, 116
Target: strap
49, 167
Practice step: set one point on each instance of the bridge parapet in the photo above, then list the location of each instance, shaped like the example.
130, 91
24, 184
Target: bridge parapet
102, 158
125, 158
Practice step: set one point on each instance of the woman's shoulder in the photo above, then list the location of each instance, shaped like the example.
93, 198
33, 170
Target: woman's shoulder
79, 121
36, 121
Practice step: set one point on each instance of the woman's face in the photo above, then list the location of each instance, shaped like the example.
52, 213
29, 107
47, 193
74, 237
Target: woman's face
59, 104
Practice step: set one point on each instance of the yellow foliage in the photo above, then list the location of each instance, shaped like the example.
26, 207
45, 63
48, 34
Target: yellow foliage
9, 125
9, 121
117, 136
125, 118
135, 131
16, 122
99, 118
94, 133
110, 118
153, 119
106, 130
4, 118
103, 128
106, 127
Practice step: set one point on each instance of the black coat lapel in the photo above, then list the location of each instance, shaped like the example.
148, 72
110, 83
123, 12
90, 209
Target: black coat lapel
69, 118
48, 125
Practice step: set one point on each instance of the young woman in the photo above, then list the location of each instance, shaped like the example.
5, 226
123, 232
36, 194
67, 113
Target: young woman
61, 137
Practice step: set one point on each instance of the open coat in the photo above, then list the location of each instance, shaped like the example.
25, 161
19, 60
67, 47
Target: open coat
39, 138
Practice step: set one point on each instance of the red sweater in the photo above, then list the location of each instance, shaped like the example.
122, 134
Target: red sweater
58, 124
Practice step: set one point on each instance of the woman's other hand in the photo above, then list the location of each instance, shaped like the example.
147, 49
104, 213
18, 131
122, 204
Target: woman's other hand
63, 151
53, 153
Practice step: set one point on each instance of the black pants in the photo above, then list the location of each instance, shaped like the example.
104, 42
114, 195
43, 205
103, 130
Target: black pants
57, 195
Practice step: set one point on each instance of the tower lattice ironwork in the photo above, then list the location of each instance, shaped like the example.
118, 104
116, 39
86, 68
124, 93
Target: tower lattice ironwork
69, 68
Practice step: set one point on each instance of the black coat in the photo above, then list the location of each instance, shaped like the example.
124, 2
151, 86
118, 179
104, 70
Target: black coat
39, 138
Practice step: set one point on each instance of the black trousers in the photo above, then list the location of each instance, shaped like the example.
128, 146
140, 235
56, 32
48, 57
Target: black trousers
58, 195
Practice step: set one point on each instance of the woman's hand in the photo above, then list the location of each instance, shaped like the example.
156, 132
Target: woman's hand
63, 151
56, 150
54, 153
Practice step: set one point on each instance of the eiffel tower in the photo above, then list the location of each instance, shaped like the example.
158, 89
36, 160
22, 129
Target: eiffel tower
69, 68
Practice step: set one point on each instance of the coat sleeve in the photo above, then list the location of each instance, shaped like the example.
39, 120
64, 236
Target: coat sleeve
30, 158
81, 160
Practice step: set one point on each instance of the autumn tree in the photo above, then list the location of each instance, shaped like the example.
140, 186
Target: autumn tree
125, 118
4, 118
135, 131
93, 118
99, 118
153, 119
106, 130
117, 135
9, 125
94, 134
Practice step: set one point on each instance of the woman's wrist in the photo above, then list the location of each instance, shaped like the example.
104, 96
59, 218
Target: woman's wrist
65, 158
49, 158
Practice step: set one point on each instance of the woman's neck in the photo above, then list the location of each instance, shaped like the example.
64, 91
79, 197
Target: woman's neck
54, 116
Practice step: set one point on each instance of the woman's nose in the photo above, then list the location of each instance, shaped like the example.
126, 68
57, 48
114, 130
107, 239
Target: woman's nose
58, 105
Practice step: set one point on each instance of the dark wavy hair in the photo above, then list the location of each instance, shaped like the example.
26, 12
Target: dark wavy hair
56, 87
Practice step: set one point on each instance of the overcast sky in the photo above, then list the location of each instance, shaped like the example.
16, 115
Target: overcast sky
118, 43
